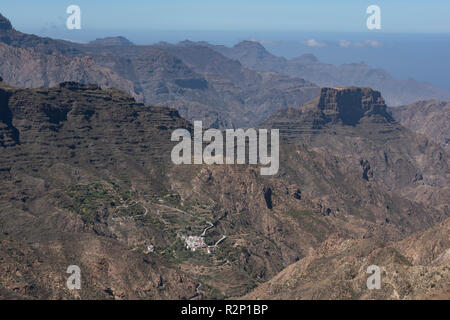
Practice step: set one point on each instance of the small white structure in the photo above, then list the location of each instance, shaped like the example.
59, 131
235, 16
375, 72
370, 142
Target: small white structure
150, 248
194, 242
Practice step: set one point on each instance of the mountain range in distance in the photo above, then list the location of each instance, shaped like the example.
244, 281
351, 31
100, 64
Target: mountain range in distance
396, 92
217, 84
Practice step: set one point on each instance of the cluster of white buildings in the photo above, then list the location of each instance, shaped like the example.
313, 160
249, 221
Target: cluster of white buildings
194, 242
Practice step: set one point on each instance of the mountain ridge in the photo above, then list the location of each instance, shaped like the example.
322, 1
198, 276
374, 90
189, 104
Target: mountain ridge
396, 92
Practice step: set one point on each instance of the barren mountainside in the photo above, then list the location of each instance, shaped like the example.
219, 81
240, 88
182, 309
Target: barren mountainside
396, 92
87, 180
344, 264
430, 118
199, 82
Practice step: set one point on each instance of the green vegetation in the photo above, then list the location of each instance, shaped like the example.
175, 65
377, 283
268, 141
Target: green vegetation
97, 200
88, 200
177, 253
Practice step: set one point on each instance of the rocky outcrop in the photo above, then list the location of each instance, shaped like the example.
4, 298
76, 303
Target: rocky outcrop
338, 270
429, 117
342, 106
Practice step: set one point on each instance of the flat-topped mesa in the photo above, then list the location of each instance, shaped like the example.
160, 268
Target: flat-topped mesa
5, 24
76, 86
340, 108
349, 104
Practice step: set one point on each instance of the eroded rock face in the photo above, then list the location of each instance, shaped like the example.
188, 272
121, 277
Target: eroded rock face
5, 24
354, 125
349, 105
415, 268
430, 118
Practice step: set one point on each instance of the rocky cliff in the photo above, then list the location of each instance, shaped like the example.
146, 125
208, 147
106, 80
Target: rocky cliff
429, 117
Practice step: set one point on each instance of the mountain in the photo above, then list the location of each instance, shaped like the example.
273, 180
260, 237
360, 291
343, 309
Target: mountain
112, 41
199, 82
404, 275
5, 24
354, 124
429, 117
87, 180
31, 69
396, 92
63, 151
17, 39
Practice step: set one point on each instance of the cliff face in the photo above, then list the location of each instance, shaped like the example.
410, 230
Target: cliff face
5, 24
344, 108
353, 124
344, 262
429, 117
349, 105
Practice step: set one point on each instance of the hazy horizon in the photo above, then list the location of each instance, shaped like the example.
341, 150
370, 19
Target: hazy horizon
414, 40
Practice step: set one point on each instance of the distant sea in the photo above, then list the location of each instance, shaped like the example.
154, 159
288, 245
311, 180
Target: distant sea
424, 57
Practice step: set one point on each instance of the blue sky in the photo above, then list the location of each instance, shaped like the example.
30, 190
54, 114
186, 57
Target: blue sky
277, 15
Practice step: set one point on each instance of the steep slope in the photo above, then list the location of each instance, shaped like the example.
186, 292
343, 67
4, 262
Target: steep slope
87, 179
253, 96
67, 155
430, 118
396, 92
406, 273
31, 69
353, 124
203, 84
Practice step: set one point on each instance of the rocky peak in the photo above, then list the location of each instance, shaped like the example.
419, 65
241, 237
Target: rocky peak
350, 104
5, 24
340, 107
